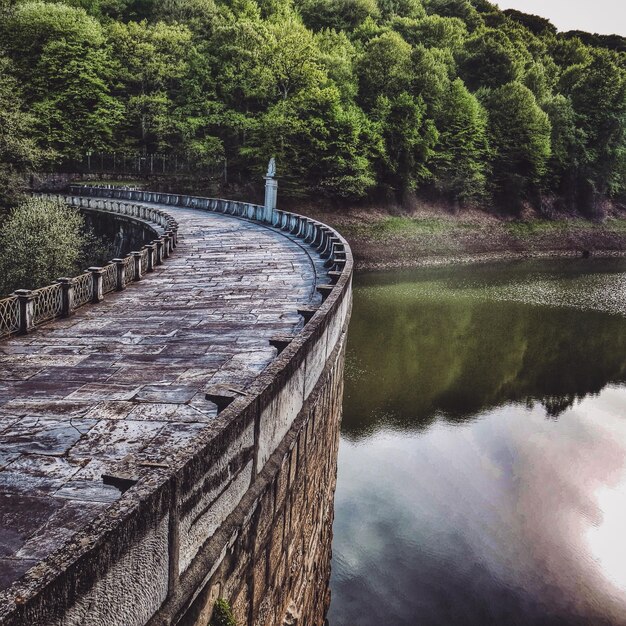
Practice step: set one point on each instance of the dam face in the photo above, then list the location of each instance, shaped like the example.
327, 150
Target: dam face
177, 442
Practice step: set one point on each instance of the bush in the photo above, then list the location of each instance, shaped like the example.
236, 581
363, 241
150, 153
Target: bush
40, 241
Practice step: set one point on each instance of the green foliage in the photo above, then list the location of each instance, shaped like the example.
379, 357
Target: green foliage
340, 15
40, 241
534, 23
319, 144
385, 69
460, 162
433, 31
519, 133
18, 153
463, 9
222, 614
30, 26
59, 55
72, 104
413, 9
409, 138
354, 97
597, 91
489, 60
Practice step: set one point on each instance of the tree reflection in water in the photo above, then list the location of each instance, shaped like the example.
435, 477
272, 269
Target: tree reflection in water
482, 470
447, 346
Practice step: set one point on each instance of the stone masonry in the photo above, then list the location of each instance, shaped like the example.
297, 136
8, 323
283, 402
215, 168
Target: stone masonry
129, 494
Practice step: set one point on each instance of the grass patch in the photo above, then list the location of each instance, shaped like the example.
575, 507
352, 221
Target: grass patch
222, 614
616, 224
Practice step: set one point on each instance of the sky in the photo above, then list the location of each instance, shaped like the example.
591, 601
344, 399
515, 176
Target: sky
597, 16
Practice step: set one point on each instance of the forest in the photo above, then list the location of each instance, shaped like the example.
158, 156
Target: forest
358, 100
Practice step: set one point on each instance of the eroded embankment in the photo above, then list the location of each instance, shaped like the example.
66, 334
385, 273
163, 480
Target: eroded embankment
380, 240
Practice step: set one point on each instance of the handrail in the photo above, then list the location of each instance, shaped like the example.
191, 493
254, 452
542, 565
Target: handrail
25, 309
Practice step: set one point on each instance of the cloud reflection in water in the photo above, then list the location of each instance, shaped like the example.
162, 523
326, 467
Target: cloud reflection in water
482, 474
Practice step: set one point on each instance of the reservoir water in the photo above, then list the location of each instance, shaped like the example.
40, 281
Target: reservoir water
482, 467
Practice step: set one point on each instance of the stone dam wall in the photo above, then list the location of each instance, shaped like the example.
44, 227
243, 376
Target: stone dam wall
245, 512
121, 233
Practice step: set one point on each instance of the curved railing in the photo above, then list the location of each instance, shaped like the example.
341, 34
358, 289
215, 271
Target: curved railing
322, 238
25, 309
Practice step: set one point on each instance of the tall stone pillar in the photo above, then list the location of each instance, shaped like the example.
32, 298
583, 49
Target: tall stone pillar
271, 191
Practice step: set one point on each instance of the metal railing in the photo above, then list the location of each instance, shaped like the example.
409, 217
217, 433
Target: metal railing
142, 164
25, 309
83, 289
109, 278
9, 315
47, 303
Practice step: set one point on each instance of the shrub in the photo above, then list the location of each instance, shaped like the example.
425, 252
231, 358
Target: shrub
40, 241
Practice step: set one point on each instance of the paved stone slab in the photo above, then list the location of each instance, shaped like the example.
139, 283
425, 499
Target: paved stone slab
122, 384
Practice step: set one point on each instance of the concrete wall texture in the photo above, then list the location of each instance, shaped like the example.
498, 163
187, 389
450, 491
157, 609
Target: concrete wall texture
246, 514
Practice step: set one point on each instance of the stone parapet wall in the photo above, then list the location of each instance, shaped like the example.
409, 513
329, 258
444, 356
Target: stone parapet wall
276, 568
245, 511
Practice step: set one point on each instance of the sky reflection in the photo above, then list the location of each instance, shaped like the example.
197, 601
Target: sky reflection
508, 513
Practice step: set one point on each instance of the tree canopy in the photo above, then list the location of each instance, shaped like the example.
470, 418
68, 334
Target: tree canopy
375, 99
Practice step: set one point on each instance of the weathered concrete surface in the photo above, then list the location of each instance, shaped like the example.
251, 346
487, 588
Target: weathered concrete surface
119, 390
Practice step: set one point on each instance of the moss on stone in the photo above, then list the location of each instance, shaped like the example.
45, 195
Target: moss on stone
222, 614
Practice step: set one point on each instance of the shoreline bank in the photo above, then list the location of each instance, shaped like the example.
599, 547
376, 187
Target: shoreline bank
383, 241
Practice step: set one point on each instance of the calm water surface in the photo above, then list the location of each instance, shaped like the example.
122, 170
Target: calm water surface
482, 469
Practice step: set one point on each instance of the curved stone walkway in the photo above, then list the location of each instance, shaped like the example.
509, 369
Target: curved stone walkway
122, 384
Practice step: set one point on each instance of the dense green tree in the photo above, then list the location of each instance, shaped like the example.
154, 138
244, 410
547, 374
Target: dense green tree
413, 9
60, 56
72, 104
343, 15
460, 159
18, 152
200, 16
152, 61
519, 134
355, 97
318, 143
385, 69
30, 26
409, 138
534, 23
566, 52
489, 60
292, 58
597, 91
463, 9
566, 143
40, 241
433, 69
433, 31
337, 56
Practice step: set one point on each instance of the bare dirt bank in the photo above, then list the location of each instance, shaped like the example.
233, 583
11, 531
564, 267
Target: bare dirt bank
383, 240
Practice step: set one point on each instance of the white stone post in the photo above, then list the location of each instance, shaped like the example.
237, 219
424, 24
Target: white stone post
271, 191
